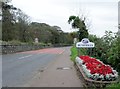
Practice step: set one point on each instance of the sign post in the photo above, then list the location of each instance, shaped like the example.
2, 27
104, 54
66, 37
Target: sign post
85, 43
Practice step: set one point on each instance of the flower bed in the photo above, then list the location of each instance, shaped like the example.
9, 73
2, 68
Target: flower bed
96, 70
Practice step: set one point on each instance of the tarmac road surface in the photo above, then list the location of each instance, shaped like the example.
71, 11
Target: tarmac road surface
49, 67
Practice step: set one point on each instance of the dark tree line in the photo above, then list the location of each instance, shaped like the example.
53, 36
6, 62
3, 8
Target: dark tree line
16, 25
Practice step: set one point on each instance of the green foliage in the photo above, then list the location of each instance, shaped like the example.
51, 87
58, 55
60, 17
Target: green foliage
74, 34
107, 49
49, 34
7, 21
83, 51
77, 52
71, 18
74, 53
16, 26
16, 42
13, 42
78, 23
113, 86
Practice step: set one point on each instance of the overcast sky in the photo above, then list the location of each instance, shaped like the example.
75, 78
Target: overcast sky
101, 15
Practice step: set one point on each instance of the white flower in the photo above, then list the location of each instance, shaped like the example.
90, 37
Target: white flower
108, 76
101, 77
78, 60
84, 68
87, 72
115, 74
95, 76
112, 77
100, 61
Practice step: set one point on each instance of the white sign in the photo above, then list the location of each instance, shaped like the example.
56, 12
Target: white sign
75, 40
85, 43
36, 40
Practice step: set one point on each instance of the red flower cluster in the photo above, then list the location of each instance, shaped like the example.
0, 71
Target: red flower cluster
96, 66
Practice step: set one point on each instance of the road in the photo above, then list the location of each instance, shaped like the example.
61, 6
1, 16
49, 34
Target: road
19, 68
49, 67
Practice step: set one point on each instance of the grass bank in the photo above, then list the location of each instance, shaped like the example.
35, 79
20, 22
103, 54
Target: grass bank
113, 86
74, 53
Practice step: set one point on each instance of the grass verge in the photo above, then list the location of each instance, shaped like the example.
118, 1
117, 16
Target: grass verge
74, 53
113, 86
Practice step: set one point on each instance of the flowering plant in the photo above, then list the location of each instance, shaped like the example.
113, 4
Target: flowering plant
96, 69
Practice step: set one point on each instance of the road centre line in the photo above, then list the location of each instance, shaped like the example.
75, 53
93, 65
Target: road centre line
25, 57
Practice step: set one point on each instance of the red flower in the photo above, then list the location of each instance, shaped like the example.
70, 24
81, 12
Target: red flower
96, 66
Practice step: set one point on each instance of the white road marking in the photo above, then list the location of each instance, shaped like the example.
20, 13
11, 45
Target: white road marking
25, 57
62, 51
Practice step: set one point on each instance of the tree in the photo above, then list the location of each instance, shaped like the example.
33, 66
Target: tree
17, 26
23, 23
15, 23
7, 21
55, 35
79, 24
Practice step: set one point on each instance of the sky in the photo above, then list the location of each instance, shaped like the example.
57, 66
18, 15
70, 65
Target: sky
100, 15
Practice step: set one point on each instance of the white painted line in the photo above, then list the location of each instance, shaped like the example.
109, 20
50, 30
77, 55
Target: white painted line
25, 57
62, 51
66, 68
